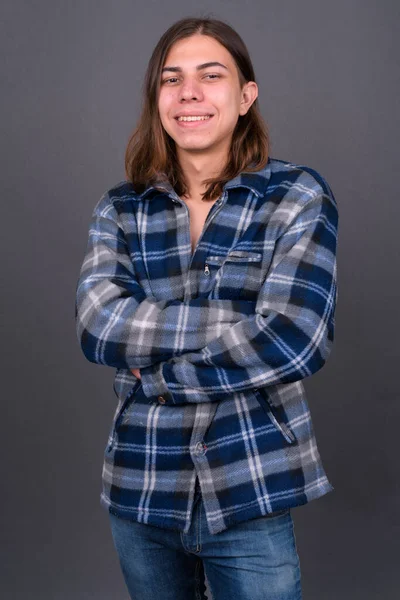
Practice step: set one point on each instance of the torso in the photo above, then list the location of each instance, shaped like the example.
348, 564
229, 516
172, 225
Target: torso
198, 211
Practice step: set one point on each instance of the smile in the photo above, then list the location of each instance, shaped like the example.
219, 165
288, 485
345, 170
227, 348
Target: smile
194, 118
193, 122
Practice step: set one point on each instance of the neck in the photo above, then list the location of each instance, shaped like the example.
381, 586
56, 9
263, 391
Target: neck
197, 168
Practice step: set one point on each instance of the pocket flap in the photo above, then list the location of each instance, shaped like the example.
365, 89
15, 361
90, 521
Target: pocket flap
235, 256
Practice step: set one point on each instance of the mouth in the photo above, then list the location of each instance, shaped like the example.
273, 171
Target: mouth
193, 121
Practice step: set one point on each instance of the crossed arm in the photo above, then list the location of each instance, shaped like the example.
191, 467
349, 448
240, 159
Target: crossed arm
205, 349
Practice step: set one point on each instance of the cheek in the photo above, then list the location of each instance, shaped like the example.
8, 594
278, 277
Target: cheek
227, 104
164, 104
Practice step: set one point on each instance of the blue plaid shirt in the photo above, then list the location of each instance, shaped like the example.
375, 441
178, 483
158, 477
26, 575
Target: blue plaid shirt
223, 337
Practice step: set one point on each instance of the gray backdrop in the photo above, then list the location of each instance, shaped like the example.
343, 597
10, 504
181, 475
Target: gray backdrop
328, 75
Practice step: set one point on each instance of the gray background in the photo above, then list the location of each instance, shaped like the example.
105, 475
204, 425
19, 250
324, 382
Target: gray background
328, 75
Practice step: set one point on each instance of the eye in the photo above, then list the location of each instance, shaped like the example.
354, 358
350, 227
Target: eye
170, 79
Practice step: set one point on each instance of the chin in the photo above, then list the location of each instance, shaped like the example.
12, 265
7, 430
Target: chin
194, 144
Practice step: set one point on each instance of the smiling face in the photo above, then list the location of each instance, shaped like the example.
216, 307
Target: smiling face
200, 79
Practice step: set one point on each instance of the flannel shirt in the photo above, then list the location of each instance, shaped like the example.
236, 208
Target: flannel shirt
223, 337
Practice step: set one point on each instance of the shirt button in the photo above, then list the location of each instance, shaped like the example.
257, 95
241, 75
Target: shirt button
161, 399
200, 448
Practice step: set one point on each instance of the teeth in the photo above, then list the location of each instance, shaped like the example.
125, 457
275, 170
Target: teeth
202, 118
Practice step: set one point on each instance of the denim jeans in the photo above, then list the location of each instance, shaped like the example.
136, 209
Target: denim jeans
253, 560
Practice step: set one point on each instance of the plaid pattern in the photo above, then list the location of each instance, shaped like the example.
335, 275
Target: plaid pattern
223, 338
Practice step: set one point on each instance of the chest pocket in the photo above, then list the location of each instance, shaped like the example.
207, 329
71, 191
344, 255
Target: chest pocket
236, 275
235, 256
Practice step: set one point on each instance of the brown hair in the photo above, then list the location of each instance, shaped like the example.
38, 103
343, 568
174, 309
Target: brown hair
151, 155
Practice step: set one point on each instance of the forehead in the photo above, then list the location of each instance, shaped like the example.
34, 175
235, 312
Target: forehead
189, 52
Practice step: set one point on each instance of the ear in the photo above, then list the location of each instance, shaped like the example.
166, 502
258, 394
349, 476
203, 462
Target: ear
249, 95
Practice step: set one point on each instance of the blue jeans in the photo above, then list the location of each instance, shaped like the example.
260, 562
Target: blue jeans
253, 560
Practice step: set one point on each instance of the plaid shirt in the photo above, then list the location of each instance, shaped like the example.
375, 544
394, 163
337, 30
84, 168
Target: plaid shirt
223, 337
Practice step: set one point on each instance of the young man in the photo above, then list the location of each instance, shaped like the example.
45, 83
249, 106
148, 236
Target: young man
209, 283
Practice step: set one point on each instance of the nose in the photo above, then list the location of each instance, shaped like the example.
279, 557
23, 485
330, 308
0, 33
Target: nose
190, 90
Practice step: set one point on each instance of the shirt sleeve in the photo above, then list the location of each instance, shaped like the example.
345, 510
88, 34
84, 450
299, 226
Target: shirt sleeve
117, 325
291, 333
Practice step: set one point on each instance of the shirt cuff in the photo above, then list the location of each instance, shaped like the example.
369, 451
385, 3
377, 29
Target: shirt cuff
155, 386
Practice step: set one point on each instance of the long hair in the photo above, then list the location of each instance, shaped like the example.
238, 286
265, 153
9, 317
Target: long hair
151, 154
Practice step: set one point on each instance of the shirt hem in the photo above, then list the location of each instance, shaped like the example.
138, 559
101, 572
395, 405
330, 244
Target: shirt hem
240, 515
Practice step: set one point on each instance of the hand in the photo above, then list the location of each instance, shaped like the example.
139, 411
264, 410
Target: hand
136, 372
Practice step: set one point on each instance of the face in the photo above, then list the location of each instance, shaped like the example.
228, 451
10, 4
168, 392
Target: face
200, 79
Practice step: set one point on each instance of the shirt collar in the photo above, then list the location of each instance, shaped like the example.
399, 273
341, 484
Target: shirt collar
257, 182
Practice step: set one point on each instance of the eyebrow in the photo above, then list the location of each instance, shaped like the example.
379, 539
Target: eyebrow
198, 68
